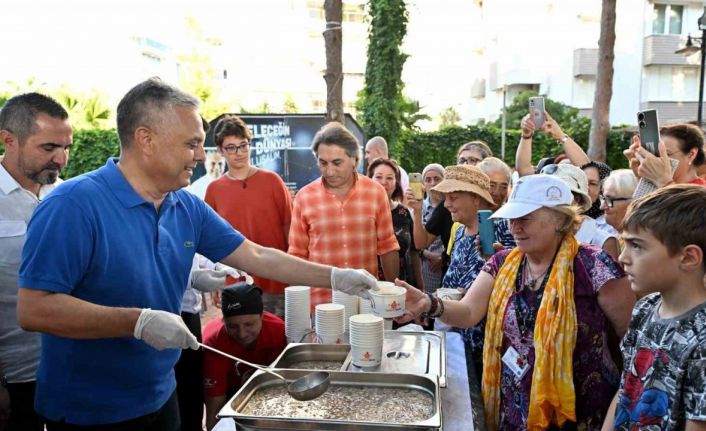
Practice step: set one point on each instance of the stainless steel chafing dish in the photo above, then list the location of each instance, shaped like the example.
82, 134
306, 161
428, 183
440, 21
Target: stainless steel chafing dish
412, 352
260, 380
296, 353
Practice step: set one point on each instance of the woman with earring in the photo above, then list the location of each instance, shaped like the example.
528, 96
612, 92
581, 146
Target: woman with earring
549, 305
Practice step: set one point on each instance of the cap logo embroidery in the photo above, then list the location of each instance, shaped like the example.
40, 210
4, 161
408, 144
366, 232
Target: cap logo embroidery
234, 306
554, 194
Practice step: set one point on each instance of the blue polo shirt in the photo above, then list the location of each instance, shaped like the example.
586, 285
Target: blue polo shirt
96, 239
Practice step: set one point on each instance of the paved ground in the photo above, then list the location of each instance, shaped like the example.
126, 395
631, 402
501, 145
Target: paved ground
209, 311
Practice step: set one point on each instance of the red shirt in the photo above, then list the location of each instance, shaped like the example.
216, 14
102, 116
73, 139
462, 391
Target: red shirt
219, 373
698, 181
259, 208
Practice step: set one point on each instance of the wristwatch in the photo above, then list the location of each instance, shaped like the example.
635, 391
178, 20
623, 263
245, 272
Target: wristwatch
563, 139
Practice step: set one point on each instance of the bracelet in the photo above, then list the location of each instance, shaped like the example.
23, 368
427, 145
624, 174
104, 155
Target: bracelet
563, 139
441, 309
432, 309
526, 136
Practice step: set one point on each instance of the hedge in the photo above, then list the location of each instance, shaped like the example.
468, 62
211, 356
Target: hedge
417, 149
91, 148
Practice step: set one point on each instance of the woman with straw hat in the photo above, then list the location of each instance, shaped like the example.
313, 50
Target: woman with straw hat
549, 304
466, 189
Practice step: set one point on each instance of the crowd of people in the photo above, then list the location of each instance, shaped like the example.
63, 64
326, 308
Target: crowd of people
590, 314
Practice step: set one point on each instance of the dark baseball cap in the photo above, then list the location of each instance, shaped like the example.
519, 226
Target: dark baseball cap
240, 299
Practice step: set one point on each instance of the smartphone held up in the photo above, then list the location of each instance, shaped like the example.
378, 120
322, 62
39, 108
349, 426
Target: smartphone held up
536, 110
648, 127
415, 183
486, 232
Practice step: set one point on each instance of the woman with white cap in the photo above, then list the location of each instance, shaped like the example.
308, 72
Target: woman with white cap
549, 303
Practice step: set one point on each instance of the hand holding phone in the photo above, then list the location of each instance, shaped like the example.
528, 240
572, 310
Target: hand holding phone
415, 183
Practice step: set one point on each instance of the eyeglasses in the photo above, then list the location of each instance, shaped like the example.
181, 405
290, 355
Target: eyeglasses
235, 149
549, 169
609, 201
468, 161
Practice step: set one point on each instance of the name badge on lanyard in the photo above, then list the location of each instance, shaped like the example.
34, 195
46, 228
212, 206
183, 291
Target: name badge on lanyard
516, 363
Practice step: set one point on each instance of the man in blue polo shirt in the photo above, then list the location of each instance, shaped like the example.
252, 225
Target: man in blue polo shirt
106, 263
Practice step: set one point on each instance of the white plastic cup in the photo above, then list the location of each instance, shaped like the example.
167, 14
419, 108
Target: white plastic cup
388, 301
366, 356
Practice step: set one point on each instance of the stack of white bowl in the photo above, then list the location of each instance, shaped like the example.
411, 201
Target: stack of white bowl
366, 338
366, 307
330, 319
297, 318
350, 302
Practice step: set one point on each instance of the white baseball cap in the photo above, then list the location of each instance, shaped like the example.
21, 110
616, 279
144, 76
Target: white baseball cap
533, 192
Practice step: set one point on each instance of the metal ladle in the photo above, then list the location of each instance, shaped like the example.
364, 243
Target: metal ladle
305, 388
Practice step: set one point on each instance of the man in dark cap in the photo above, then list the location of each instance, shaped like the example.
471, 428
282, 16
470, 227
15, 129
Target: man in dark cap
246, 331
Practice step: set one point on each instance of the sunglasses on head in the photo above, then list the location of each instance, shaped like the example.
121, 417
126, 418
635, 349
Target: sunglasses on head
550, 169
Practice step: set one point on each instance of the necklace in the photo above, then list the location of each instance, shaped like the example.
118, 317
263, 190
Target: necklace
244, 180
531, 279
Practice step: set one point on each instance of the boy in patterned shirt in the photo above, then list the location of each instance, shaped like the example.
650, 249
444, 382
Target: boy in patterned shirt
663, 386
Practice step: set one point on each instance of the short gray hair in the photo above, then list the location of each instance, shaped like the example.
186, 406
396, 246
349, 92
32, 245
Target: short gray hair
335, 133
623, 180
378, 142
491, 164
145, 104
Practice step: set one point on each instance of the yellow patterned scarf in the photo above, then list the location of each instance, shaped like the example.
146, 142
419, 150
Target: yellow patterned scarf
552, 397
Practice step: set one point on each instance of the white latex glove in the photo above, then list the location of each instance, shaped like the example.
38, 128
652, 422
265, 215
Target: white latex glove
164, 330
353, 281
208, 280
235, 273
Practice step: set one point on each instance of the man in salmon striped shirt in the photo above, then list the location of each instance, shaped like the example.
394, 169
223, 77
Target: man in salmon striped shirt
342, 218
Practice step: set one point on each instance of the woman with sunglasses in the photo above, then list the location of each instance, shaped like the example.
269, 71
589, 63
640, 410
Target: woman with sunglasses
549, 303
617, 195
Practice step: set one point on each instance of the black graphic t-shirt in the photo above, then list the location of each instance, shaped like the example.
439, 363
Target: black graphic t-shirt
664, 382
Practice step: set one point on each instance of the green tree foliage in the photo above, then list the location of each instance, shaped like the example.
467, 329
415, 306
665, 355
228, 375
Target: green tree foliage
382, 92
563, 114
86, 110
290, 105
91, 148
449, 117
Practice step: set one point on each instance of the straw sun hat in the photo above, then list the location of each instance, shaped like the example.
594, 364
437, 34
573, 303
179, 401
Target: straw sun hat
465, 178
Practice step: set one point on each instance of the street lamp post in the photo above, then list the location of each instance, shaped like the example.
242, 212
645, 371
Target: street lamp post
691, 49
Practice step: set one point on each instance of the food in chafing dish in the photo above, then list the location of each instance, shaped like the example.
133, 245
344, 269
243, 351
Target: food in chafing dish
348, 403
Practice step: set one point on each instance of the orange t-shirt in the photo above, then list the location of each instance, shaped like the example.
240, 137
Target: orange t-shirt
260, 208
